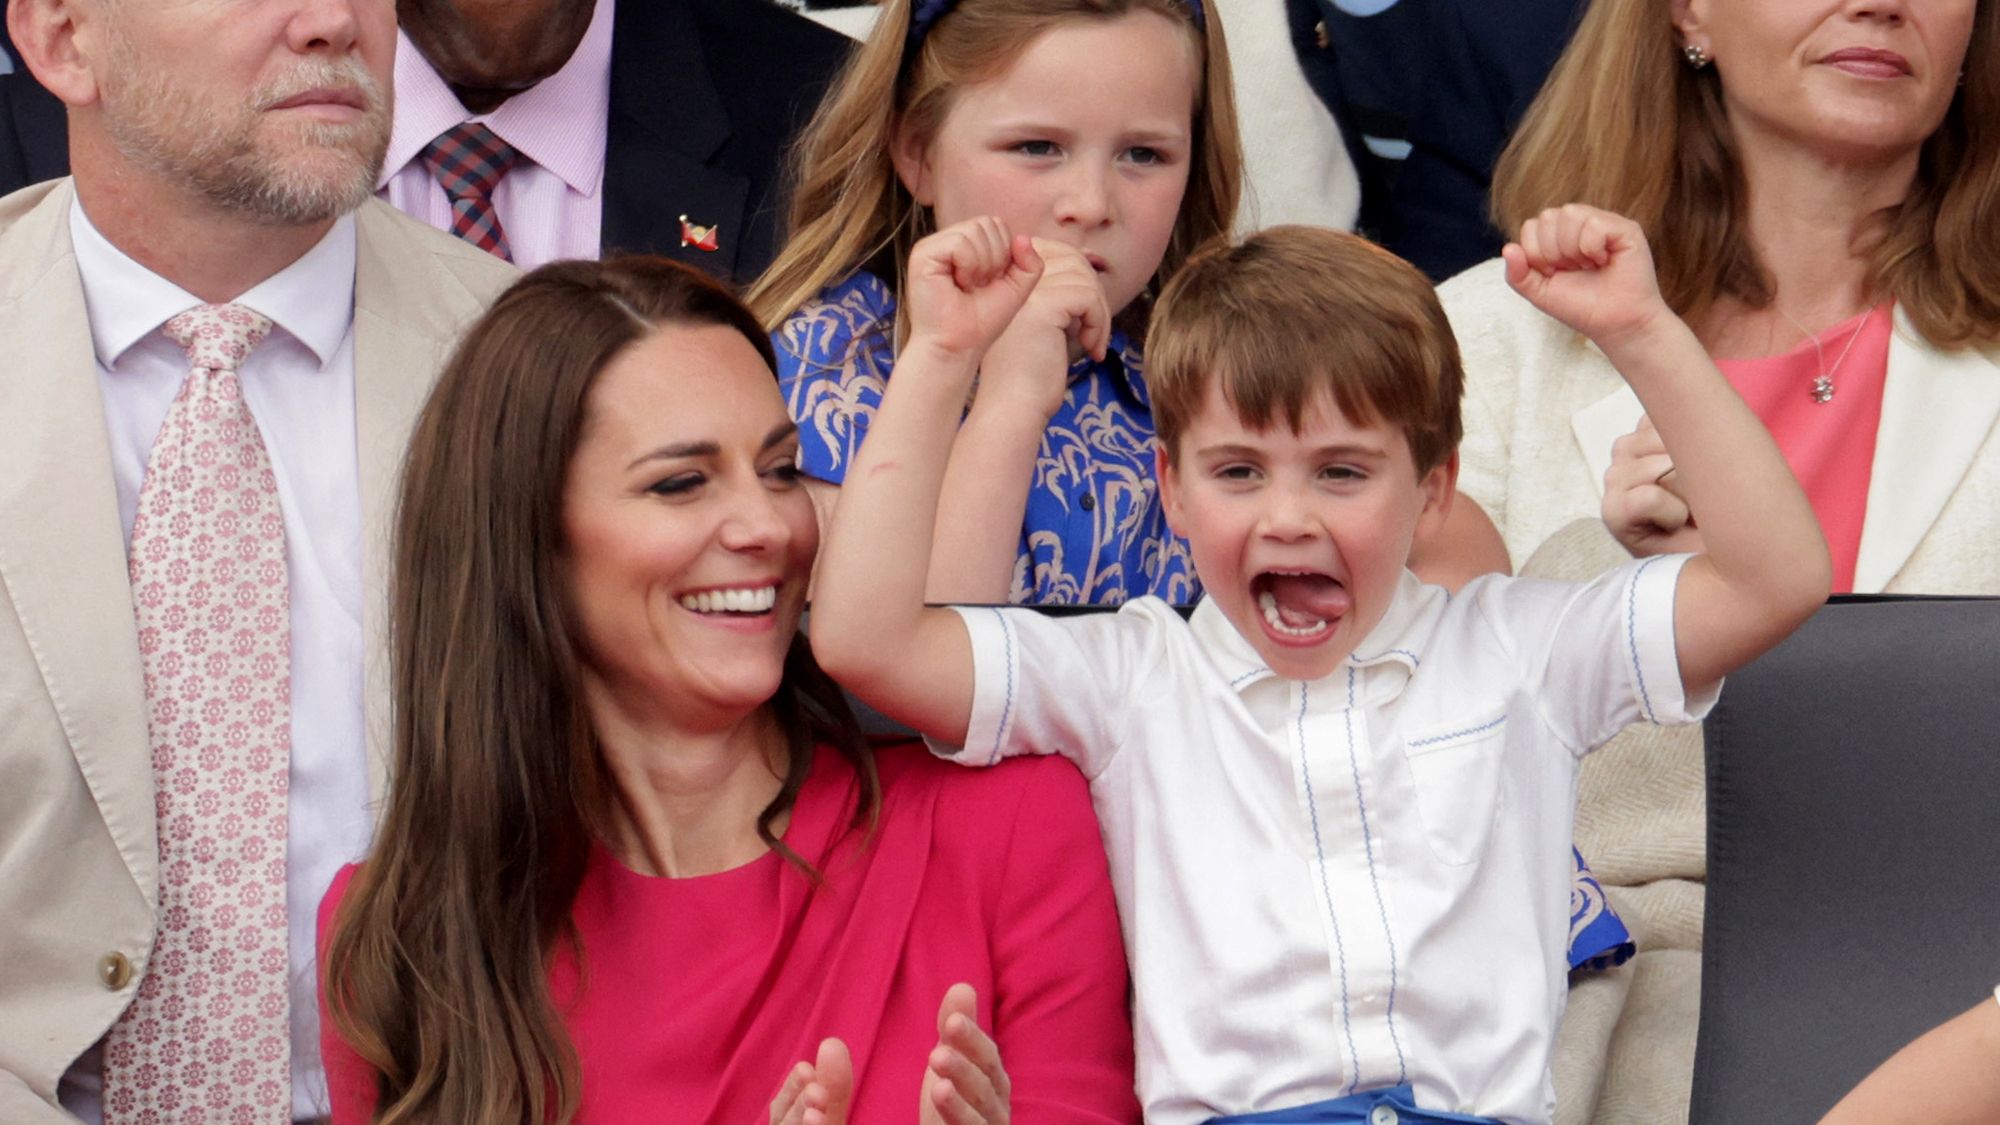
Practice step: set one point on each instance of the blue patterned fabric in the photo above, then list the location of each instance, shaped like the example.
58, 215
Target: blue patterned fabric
1093, 532
1598, 939
1364, 1108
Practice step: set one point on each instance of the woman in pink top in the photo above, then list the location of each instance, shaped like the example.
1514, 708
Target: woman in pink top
1817, 181
637, 863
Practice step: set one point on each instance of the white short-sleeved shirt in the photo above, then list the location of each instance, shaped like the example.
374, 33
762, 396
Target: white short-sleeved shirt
1352, 882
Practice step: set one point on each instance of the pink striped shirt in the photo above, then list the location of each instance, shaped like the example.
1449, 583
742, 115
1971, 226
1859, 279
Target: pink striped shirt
551, 203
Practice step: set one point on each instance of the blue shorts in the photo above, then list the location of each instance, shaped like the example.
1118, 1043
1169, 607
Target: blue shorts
1391, 1105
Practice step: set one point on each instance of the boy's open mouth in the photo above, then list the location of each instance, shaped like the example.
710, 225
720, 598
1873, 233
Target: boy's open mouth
1300, 605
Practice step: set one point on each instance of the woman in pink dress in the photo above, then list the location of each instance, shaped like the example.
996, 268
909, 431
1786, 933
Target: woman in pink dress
637, 863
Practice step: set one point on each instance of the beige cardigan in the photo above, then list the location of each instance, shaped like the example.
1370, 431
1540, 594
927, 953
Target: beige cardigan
1543, 405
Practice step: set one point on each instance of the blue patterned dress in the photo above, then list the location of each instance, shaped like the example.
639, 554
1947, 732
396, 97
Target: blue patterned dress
1093, 532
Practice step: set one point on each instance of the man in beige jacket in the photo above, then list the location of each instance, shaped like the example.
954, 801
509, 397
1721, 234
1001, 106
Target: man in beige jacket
224, 156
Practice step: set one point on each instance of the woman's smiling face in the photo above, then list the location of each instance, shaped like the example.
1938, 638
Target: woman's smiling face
689, 538
1845, 79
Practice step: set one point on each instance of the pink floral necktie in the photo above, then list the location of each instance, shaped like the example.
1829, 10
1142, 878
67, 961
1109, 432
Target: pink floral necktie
207, 1039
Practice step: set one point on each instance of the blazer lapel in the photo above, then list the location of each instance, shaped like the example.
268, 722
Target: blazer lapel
400, 343
667, 125
1602, 422
1937, 410
62, 551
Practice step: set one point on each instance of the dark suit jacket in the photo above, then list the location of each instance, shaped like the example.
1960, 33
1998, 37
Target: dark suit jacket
1489, 62
1451, 78
706, 96
34, 134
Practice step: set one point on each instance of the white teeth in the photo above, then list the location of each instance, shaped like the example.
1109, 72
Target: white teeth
754, 599
1268, 602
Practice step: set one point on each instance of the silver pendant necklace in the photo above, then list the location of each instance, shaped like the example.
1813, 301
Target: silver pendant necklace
1822, 385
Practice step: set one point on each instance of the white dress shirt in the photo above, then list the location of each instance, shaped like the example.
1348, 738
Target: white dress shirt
299, 385
551, 204
1353, 882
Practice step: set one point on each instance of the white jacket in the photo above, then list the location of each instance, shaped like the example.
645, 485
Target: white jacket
1543, 405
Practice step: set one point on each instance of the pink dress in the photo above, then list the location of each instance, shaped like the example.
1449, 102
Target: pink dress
1829, 445
698, 994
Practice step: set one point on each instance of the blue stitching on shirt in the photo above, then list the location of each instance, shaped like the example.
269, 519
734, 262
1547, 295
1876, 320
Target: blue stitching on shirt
1007, 706
1436, 738
1382, 908
1252, 672
1339, 947
1414, 658
1632, 634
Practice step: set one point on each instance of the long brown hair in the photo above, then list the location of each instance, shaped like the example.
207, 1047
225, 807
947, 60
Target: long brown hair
435, 971
1623, 124
849, 209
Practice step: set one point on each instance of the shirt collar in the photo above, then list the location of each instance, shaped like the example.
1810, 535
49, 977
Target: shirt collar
1388, 656
1130, 367
559, 123
312, 299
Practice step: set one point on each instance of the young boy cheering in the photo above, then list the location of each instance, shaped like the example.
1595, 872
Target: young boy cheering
1337, 802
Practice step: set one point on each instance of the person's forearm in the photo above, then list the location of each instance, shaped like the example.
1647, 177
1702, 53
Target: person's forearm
1760, 536
1756, 523
983, 503
873, 568
1948, 1076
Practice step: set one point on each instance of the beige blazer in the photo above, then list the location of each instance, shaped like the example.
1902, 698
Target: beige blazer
78, 853
1543, 405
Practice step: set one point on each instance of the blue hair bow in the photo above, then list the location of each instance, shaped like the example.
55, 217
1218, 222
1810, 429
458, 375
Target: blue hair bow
924, 15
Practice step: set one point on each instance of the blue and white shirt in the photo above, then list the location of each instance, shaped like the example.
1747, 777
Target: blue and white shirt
1355, 882
1093, 532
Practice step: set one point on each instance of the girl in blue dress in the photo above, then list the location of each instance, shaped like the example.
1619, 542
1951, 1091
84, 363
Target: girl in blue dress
1106, 128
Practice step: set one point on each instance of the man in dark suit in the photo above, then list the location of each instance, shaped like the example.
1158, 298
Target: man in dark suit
1488, 62
704, 97
1428, 92
33, 144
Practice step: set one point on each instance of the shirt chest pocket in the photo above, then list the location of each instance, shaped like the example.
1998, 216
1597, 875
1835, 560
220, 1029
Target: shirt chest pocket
1455, 768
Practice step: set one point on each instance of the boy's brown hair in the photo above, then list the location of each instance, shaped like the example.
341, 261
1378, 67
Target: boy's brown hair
1293, 311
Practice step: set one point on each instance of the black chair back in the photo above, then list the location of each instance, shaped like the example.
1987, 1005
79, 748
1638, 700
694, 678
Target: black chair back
1853, 852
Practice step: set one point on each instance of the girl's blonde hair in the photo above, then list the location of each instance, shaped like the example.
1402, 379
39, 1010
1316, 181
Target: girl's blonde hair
1626, 125
850, 210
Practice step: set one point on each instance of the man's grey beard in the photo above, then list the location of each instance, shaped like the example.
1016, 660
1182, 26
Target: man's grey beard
157, 128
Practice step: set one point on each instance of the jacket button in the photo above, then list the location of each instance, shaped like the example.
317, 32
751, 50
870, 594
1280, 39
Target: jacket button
1089, 502
115, 970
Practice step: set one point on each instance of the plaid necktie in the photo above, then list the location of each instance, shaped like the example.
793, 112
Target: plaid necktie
208, 1036
469, 160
